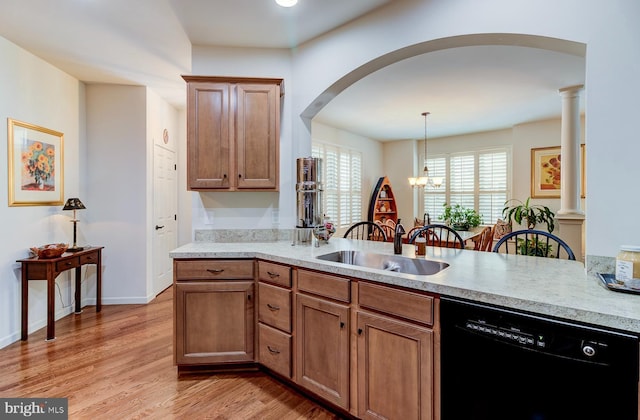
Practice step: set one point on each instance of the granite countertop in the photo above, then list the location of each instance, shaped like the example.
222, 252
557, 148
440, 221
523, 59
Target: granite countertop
558, 288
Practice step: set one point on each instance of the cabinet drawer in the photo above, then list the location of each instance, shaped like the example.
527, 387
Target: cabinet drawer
274, 273
89, 258
324, 285
401, 303
275, 306
275, 350
67, 264
213, 269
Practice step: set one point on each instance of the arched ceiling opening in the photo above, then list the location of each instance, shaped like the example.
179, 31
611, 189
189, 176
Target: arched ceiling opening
469, 83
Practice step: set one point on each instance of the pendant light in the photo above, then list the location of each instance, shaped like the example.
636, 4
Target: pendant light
425, 179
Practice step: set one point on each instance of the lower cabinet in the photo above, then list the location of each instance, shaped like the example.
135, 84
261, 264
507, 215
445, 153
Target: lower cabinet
395, 369
365, 347
322, 348
214, 322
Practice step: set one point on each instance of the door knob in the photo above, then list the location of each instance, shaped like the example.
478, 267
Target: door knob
159, 227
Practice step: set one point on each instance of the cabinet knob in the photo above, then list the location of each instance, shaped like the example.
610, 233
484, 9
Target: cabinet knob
359, 331
224, 175
239, 175
341, 325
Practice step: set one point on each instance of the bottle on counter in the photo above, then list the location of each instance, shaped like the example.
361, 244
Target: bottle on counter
421, 245
628, 266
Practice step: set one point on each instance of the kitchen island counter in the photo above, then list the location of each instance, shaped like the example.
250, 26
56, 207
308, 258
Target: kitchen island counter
558, 288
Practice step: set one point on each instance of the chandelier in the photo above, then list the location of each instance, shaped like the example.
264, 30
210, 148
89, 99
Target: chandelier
425, 179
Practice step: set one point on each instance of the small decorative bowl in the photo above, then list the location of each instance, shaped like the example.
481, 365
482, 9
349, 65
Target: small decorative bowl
50, 250
325, 231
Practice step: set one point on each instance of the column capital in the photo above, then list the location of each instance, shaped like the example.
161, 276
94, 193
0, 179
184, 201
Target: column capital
571, 89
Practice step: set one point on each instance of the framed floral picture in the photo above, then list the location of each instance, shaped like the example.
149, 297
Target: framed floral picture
546, 172
35, 163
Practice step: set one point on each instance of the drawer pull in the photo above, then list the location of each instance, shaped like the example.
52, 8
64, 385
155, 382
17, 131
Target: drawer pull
215, 271
273, 307
273, 275
68, 263
272, 350
89, 257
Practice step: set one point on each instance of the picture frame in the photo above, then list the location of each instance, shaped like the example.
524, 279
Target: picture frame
546, 172
35, 164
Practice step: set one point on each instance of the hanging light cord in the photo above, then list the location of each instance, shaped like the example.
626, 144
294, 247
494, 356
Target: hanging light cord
426, 170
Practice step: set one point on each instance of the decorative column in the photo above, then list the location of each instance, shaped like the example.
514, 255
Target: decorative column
570, 217
570, 151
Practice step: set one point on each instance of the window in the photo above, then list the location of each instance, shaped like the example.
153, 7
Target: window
342, 195
476, 179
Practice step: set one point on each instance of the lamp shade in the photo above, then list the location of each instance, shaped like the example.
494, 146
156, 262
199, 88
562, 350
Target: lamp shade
73, 204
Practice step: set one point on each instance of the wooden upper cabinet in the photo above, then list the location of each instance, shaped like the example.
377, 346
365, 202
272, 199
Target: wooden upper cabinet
233, 133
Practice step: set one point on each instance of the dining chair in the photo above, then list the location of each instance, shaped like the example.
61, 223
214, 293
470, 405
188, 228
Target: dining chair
367, 231
388, 231
535, 243
485, 240
411, 232
438, 235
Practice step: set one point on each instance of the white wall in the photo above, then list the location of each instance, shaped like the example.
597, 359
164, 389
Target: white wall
36, 92
611, 88
116, 184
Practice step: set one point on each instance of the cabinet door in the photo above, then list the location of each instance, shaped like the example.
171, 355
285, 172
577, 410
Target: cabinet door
258, 136
208, 135
322, 348
395, 369
214, 322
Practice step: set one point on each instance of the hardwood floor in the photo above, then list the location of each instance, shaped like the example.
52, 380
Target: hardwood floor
118, 364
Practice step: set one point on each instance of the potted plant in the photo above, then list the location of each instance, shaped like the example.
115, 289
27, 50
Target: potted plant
531, 214
535, 248
460, 218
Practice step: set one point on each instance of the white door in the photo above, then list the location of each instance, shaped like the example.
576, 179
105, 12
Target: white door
165, 211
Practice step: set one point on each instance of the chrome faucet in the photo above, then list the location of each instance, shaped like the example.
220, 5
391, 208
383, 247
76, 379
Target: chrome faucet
397, 239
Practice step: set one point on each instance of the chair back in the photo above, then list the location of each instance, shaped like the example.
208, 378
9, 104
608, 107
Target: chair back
388, 231
485, 240
438, 235
535, 243
366, 231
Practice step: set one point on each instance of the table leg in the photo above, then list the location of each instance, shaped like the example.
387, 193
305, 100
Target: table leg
25, 303
78, 295
51, 304
99, 282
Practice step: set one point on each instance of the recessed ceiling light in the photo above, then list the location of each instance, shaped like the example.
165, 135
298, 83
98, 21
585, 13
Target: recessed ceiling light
287, 3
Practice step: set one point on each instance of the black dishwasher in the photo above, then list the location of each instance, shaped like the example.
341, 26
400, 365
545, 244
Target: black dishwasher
501, 364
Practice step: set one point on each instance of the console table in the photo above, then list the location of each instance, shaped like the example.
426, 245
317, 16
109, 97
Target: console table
48, 269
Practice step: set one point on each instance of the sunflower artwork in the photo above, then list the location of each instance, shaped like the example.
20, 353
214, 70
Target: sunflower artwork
550, 172
38, 166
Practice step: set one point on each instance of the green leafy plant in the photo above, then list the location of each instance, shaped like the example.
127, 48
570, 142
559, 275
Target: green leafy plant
531, 214
534, 247
460, 218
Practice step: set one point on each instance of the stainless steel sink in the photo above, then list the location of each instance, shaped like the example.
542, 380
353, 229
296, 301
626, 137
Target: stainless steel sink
394, 263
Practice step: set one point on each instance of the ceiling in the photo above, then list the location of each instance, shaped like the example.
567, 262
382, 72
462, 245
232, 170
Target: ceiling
148, 42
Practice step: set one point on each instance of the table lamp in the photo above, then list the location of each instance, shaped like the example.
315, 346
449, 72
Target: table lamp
74, 204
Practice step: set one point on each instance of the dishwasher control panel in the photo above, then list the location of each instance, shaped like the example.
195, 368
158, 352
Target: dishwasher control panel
539, 334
